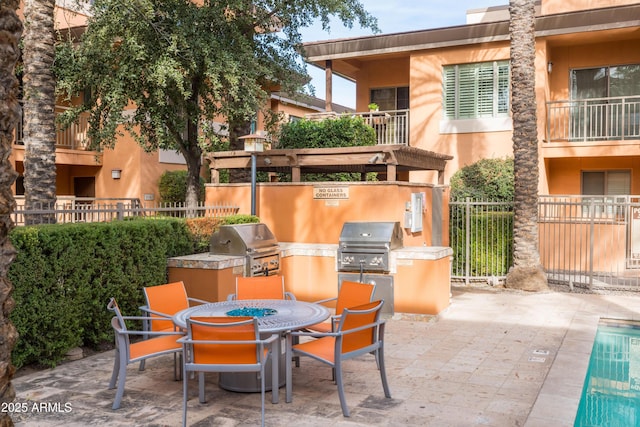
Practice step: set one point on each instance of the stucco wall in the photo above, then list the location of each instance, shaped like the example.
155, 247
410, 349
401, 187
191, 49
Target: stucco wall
294, 215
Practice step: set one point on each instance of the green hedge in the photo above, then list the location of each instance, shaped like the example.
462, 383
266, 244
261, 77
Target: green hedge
64, 275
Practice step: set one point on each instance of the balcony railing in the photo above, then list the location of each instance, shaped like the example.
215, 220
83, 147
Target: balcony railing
74, 137
392, 127
598, 119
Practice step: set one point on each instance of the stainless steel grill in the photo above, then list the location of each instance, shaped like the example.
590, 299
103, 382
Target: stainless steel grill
253, 241
365, 246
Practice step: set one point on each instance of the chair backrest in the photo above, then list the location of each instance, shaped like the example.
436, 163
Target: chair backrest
352, 294
260, 287
224, 329
169, 299
119, 326
358, 317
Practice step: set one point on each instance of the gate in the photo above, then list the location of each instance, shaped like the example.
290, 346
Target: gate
589, 242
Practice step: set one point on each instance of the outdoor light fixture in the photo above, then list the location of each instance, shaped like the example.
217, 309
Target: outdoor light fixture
550, 66
116, 173
254, 144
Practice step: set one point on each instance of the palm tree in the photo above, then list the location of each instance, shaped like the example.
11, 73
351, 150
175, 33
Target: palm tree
39, 110
10, 31
527, 272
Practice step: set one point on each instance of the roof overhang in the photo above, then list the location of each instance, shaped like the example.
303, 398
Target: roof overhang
594, 20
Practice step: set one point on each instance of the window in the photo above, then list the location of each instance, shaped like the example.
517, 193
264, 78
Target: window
606, 183
599, 112
391, 98
476, 91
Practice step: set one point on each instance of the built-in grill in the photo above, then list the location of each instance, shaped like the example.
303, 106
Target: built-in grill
365, 246
253, 241
364, 256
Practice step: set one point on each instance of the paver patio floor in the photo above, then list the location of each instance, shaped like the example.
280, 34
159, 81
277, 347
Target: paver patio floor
493, 358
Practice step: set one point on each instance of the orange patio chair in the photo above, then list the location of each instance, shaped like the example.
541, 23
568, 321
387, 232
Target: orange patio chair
260, 287
360, 331
155, 344
224, 344
350, 294
163, 301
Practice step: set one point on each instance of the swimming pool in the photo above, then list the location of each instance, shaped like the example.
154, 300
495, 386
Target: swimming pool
611, 392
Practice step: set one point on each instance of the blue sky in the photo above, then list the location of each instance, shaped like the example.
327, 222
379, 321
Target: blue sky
394, 16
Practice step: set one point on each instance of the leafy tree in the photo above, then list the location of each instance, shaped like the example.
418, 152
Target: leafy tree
173, 188
527, 272
184, 64
487, 179
10, 32
39, 110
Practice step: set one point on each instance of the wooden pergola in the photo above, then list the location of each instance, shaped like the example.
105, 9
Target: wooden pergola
385, 159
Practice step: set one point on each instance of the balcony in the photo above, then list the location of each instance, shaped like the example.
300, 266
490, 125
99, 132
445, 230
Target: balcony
73, 138
392, 127
593, 120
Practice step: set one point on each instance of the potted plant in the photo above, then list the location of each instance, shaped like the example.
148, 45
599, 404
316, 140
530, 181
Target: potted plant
373, 106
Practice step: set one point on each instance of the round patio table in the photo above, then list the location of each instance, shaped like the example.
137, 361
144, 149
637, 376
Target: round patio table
285, 316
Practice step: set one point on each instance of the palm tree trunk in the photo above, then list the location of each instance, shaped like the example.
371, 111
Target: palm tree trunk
10, 32
527, 272
39, 110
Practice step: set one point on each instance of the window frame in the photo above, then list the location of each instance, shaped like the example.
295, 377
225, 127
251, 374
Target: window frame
494, 115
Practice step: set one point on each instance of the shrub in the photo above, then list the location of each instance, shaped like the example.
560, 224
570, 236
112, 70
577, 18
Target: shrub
487, 179
173, 187
344, 131
64, 275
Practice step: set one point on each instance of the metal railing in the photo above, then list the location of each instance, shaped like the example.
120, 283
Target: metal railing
85, 209
598, 119
590, 242
74, 137
392, 127
481, 236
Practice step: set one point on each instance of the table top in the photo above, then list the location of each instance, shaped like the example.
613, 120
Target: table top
290, 314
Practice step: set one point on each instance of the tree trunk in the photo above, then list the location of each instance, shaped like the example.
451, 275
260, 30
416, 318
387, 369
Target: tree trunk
39, 110
527, 272
10, 31
236, 130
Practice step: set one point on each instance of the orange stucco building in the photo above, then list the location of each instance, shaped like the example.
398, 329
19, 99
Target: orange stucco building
126, 171
587, 88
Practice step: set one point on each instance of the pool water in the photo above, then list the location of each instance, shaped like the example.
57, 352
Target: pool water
611, 392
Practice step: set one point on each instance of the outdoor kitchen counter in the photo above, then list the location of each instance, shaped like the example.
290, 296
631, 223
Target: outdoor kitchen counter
207, 261
421, 273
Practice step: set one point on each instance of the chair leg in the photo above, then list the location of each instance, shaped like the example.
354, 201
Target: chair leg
339, 383
201, 395
185, 386
122, 377
288, 376
116, 370
383, 373
262, 387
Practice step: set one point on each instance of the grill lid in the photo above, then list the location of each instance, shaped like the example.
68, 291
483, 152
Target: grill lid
242, 239
384, 235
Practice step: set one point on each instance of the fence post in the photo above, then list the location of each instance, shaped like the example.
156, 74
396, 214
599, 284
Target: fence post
120, 209
467, 241
592, 226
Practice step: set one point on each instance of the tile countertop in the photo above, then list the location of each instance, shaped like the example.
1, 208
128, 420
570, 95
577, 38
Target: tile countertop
218, 262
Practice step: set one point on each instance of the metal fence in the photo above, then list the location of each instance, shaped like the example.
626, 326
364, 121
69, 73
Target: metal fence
586, 242
83, 209
481, 235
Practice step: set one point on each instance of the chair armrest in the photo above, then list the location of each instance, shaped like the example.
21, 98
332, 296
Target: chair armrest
322, 301
151, 333
313, 334
148, 311
201, 301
